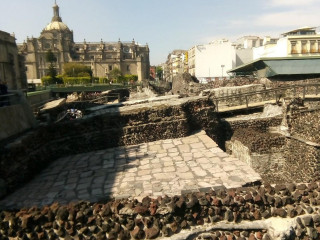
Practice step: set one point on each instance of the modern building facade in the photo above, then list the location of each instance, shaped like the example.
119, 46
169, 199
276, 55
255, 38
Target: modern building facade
175, 64
102, 57
295, 55
12, 68
301, 42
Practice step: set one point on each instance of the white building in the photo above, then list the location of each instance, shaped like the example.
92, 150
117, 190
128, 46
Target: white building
296, 43
212, 60
244, 48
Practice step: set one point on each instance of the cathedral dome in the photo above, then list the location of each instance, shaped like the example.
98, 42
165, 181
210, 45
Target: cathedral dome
56, 25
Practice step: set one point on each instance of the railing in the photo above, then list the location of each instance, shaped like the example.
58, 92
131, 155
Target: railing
266, 95
105, 99
12, 98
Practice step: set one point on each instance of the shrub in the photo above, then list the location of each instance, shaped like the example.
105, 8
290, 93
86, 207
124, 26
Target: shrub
77, 80
48, 80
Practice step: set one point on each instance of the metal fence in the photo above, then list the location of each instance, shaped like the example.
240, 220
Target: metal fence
12, 98
267, 95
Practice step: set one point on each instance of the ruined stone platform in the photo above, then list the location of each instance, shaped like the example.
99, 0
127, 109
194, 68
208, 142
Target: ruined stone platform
166, 167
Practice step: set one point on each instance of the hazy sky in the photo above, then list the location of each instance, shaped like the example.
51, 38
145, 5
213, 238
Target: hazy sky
164, 24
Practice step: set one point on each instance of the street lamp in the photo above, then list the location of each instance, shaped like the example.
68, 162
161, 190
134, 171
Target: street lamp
222, 66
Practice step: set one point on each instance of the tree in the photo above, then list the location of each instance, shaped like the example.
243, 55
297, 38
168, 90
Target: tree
159, 72
76, 70
116, 75
52, 59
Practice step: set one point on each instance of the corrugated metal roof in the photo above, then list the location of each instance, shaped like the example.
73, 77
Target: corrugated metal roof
281, 66
293, 67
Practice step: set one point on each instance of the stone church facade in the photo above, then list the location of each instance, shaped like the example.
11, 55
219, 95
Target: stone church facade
102, 57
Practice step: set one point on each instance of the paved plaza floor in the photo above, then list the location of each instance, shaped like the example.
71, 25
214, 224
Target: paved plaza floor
165, 167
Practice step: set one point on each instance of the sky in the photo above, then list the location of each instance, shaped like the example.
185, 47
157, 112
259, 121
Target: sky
165, 25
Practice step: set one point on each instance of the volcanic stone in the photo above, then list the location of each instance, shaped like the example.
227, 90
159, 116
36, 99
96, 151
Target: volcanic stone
137, 233
307, 221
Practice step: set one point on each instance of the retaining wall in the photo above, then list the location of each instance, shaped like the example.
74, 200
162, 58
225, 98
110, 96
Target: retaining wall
39, 98
16, 118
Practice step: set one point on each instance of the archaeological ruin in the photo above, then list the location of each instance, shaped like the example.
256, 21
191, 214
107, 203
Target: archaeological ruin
235, 159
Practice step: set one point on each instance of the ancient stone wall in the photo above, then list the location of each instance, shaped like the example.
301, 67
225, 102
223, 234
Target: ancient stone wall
302, 162
21, 160
270, 165
275, 212
253, 144
260, 125
306, 125
227, 91
278, 158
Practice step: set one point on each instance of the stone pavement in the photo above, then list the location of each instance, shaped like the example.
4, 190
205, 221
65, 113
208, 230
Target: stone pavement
166, 167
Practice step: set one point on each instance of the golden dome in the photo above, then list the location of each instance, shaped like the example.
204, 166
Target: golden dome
56, 25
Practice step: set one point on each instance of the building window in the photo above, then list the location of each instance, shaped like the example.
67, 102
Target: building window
128, 68
110, 67
294, 49
304, 47
313, 46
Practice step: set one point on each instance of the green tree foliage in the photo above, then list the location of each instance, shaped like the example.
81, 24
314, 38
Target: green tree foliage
51, 59
159, 72
116, 75
131, 78
76, 70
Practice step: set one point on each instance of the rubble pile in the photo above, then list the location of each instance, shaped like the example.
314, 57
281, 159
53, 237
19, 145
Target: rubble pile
232, 82
186, 84
166, 216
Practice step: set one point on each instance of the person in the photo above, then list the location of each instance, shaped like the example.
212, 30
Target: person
4, 101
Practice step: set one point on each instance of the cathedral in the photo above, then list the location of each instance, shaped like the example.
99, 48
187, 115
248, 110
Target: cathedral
102, 57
